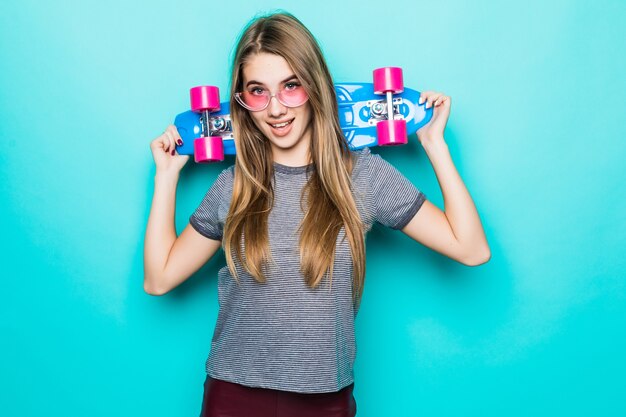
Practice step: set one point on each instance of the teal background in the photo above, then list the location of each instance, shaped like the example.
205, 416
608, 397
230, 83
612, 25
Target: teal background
537, 131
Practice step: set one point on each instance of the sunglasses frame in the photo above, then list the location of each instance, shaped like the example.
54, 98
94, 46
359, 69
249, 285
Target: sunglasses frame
276, 95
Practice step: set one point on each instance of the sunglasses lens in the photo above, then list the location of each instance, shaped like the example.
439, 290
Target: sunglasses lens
293, 97
254, 102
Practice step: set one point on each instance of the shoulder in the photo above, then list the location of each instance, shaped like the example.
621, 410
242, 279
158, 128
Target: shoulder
223, 184
367, 163
229, 171
226, 176
362, 159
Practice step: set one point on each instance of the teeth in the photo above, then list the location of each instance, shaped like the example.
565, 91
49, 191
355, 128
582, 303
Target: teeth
279, 125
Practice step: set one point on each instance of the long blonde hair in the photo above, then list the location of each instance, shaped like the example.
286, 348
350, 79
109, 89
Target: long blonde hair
329, 186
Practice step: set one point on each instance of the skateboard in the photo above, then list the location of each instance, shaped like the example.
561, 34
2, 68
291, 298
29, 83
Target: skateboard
381, 113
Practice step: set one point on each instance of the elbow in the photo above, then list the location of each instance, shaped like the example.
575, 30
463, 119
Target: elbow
477, 257
151, 288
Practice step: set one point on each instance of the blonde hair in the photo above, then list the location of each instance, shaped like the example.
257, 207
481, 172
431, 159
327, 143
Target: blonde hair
329, 185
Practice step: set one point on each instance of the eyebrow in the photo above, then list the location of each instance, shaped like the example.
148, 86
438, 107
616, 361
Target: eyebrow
291, 77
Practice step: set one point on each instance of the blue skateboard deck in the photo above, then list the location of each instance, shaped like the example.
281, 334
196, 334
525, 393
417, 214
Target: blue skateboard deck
359, 111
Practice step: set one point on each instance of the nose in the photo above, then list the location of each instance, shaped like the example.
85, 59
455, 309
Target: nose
275, 108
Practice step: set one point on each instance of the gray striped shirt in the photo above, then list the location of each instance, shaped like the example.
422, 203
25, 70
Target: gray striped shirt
282, 334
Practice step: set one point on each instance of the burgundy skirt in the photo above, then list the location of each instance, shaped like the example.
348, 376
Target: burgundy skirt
226, 399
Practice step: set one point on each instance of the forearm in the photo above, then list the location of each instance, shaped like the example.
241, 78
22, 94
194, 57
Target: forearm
161, 230
459, 207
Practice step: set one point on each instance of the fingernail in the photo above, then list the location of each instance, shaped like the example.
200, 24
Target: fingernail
180, 142
173, 152
421, 100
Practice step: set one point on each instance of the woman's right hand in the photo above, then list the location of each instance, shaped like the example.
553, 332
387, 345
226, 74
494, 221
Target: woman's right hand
167, 160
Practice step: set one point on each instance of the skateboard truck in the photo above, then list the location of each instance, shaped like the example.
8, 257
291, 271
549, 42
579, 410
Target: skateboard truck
220, 125
205, 100
388, 81
378, 110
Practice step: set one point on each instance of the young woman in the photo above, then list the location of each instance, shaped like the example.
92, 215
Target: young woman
291, 216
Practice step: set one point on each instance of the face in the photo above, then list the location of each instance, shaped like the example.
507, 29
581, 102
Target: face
287, 128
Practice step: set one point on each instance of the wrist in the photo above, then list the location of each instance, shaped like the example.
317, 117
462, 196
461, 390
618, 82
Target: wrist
435, 145
166, 177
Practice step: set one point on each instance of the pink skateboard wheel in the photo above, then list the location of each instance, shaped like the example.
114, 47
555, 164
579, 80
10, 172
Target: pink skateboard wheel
388, 79
391, 132
205, 98
209, 149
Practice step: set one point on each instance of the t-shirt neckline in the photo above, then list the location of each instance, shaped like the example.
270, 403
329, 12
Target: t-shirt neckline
292, 170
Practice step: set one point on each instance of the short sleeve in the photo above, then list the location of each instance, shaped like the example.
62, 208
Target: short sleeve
206, 219
394, 197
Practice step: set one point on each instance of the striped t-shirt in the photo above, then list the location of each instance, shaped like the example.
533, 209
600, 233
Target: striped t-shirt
282, 334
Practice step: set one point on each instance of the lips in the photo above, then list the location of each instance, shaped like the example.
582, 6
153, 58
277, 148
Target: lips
281, 124
282, 128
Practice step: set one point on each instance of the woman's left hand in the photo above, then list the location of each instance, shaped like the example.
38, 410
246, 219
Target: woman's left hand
433, 130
